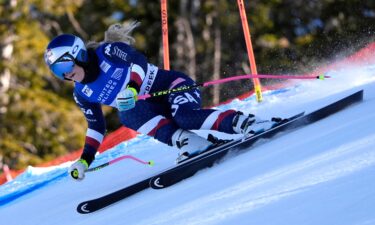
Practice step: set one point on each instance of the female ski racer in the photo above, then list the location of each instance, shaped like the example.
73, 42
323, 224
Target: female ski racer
113, 73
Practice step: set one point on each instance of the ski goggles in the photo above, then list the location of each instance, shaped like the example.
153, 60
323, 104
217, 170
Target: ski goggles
65, 64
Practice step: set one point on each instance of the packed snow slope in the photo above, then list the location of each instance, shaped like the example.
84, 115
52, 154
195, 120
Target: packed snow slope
323, 173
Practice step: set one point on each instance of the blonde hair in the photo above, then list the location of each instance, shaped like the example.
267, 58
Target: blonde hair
117, 33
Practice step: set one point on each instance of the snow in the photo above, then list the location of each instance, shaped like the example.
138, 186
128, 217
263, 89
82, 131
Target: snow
323, 173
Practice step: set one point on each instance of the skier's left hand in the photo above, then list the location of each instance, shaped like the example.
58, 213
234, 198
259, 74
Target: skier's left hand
77, 169
126, 99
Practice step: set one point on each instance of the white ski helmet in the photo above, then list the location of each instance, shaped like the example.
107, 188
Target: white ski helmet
63, 52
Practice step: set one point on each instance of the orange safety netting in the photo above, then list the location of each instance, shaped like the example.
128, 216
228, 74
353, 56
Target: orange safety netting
111, 140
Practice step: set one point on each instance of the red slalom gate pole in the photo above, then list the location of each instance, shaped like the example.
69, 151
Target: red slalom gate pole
164, 31
250, 51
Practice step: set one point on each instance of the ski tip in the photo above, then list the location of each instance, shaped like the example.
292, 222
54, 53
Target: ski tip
155, 183
82, 208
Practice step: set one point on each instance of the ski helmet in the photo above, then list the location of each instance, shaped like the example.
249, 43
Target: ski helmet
63, 52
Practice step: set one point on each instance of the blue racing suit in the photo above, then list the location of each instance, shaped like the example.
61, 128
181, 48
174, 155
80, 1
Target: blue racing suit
120, 66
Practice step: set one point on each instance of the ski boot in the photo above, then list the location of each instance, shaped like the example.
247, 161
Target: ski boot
251, 125
189, 143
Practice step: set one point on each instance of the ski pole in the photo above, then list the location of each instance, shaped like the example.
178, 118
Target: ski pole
150, 163
225, 80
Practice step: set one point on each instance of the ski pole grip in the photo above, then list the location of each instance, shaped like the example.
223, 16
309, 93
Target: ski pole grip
74, 174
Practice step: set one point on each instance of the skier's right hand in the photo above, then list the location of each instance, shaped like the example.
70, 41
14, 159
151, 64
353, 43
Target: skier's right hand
77, 169
126, 99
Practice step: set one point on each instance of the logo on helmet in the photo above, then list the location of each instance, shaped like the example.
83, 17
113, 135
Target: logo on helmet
75, 48
48, 56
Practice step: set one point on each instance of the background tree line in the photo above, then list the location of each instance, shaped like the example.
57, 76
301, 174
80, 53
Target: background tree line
38, 118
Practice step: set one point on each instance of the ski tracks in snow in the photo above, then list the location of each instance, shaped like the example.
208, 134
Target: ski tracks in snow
273, 186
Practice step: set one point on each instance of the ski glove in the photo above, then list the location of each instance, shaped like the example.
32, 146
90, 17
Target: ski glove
77, 169
126, 99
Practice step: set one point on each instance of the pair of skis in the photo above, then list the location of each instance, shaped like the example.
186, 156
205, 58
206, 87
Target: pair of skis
207, 159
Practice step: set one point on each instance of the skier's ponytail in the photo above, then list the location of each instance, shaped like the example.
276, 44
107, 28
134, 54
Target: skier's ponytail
121, 33
117, 33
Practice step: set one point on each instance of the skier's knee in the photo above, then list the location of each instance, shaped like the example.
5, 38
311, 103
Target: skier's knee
181, 121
